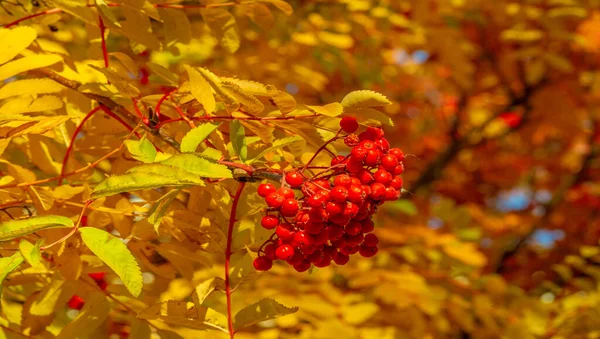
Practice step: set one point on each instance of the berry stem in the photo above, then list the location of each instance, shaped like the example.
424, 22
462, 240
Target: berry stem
324, 146
232, 220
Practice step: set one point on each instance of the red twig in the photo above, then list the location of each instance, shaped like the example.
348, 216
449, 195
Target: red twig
72, 142
161, 100
228, 253
249, 169
324, 146
104, 50
73, 230
49, 11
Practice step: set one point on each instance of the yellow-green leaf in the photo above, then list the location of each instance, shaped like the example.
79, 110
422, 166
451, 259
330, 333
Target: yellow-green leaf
14, 41
17, 228
142, 150
114, 253
159, 208
364, 99
7, 265
277, 144
198, 165
201, 89
331, 110
263, 310
31, 253
182, 313
27, 63
29, 87
52, 296
238, 139
194, 137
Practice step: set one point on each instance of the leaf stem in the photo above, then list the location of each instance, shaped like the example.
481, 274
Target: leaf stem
73, 230
228, 253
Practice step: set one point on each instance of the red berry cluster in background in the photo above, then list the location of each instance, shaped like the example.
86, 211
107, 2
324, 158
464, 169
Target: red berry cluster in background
333, 218
76, 302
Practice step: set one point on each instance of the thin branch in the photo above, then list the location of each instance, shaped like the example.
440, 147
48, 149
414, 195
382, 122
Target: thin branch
104, 50
73, 230
232, 220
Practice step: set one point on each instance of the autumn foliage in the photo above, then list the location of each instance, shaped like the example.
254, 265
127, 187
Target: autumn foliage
299, 169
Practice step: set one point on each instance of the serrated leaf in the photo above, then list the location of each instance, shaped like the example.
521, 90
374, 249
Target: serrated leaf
7, 265
142, 150
212, 154
248, 86
17, 228
14, 41
262, 310
204, 289
38, 127
92, 315
282, 100
182, 313
277, 144
163, 73
122, 85
146, 177
331, 110
52, 296
195, 164
201, 89
194, 137
238, 139
249, 103
159, 208
30, 87
364, 99
115, 254
27, 63
31, 253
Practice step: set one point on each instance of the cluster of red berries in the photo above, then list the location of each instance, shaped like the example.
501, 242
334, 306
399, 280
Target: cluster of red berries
76, 302
333, 218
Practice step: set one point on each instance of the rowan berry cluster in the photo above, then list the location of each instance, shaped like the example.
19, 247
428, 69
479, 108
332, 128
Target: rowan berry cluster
332, 219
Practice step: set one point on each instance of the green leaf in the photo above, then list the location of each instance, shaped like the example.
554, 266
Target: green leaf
211, 154
193, 138
142, 150
364, 99
17, 228
277, 144
331, 110
112, 251
8, 265
402, 206
263, 310
31, 253
198, 165
237, 134
159, 208
201, 89
146, 177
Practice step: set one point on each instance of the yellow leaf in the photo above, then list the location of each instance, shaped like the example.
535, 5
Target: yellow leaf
342, 41
27, 63
284, 101
14, 41
281, 5
249, 102
223, 25
52, 296
201, 89
331, 110
126, 61
92, 315
39, 127
364, 99
177, 26
465, 252
262, 310
122, 85
29, 87
137, 27
359, 313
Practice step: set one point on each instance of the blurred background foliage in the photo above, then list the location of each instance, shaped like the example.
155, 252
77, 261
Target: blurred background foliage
495, 101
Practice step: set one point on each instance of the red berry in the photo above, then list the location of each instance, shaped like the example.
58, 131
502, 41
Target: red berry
382, 176
294, 179
333, 207
317, 214
284, 252
367, 144
274, 200
354, 227
97, 275
356, 194
316, 200
372, 158
287, 193
302, 240
266, 189
383, 145
358, 154
262, 264
371, 240
397, 182
356, 239
349, 249
340, 219
398, 169
313, 227
391, 194
368, 251
337, 160
341, 259
320, 238
303, 266
343, 180
339, 194
367, 226
285, 232
364, 176
349, 124
289, 207
354, 167
397, 153
322, 183
76, 302
350, 209
375, 132
269, 222
334, 232
270, 251
296, 258
377, 191
389, 162
324, 262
